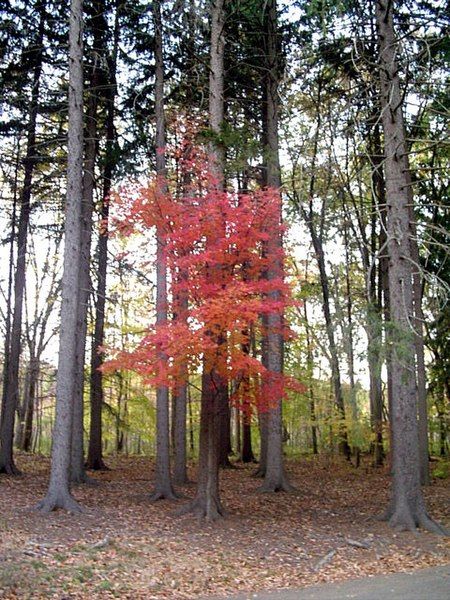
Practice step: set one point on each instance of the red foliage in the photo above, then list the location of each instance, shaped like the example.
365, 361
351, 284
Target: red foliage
214, 242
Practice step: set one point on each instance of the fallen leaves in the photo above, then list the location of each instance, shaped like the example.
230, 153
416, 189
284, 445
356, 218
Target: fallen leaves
124, 546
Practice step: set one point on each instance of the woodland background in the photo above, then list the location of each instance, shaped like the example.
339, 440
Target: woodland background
342, 109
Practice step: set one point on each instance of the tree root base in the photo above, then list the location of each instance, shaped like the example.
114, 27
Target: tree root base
259, 473
403, 519
166, 494
209, 511
182, 481
10, 469
281, 485
54, 501
83, 480
97, 465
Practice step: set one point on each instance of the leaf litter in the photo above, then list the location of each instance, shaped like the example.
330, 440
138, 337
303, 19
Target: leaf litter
124, 546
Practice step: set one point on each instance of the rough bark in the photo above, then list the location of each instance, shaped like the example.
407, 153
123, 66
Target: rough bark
163, 482
207, 501
58, 494
77, 468
180, 400
95, 451
12, 360
275, 478
7, 341
374, 301
422, 407
225, 447
180, 475
407, 507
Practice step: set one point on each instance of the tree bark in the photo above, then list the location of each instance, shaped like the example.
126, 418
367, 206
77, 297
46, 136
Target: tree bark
180, 400
225, 447
422, 408
310, 365
407, 507
95, 451
12, 360
247, 455
275, 478
163, 482
7, 341
374, 301
207, 502
58, 494
77, 468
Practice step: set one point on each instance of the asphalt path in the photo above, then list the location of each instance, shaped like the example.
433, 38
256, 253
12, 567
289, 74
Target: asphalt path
426, 584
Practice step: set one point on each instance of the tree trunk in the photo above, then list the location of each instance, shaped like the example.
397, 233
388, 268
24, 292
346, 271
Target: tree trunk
407, 508
349, 337
180, 400
225, 447
12, 360
179, 463
77, 468
7, 341
27, 432
275, 477
58, 494
95, 451
310, 364
263, 435
374, 302
418, 345
207, 501
247, 455
163, 483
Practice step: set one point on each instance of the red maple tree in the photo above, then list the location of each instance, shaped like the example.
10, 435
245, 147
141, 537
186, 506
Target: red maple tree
214, 242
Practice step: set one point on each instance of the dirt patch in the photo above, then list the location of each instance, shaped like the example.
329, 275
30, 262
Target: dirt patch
123, 546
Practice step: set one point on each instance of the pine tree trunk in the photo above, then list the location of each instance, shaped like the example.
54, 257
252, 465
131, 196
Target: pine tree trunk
7, 341
95, 451
207, 501
163, 483
374, 303
58, 494
275, 477
407, 508
12, 360
77, 469
422, 408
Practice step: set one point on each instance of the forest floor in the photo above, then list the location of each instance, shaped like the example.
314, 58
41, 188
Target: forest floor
124, 546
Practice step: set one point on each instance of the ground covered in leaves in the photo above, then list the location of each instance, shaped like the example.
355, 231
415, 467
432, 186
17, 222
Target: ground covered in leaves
124, 546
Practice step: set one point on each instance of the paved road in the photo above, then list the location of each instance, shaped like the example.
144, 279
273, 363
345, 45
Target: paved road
427, 584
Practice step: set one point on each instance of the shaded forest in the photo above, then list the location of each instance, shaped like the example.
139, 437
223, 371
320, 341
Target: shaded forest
225, 244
